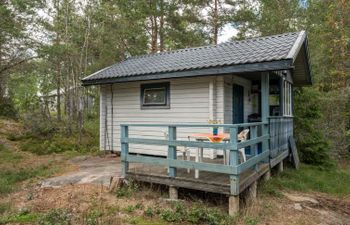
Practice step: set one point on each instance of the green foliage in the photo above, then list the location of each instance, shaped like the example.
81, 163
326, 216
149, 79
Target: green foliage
56, 216
7, 155
23, 86
311, 179
21, 218
311, 143
9, 178
132, 208
127, 190
45, 137
7, 109
92, 217
149, 212
195, 215
4, 207
39, 126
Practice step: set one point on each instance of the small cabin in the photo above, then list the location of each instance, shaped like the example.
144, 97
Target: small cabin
214, 118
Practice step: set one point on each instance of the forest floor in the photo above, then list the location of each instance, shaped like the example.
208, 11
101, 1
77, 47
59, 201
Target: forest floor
62, 189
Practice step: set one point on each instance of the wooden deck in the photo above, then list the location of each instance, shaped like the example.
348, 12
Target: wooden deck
207, 181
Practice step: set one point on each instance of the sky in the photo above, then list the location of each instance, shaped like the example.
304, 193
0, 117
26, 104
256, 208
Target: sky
227, 33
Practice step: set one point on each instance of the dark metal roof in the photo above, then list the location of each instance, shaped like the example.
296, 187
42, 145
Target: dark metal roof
256, 54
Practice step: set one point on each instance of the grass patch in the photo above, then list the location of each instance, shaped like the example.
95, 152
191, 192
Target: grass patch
127, 190
9, 178
58, 144
20, 218
4, 207
56, 216
43, 137
311, 178
198, 214
52, 217
144, 221
7, 155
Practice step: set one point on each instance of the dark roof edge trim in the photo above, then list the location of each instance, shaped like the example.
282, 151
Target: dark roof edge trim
241, 68
308, 63
293, 53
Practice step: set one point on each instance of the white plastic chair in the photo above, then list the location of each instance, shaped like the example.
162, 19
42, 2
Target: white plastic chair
242, 136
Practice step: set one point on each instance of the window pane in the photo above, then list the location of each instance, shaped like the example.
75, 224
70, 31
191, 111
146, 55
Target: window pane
154, 96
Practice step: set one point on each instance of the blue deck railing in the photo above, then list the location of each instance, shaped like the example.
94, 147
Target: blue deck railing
258, 134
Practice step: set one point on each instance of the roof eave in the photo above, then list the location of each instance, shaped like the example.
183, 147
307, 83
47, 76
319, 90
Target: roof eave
283, 64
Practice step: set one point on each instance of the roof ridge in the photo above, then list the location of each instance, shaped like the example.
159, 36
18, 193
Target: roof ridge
211, 45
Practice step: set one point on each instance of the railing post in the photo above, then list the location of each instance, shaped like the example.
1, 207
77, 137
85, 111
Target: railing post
254, 148
234, 178
125, 149
265, 110
172, 149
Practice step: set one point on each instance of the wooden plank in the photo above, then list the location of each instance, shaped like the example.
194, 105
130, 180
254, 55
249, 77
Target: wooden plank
198, 144
194, 184
257, 140
247, 181
252, 161
209, 182
279, 158
293, 148
211, 167
195, 125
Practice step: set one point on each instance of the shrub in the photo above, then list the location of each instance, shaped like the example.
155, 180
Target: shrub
195, 215
7, 108
38, 125
92, 217
311, 142
149, 212
127, 190
45, 137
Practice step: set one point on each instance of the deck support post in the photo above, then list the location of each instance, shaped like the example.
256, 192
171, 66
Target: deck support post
267, 176
280, 167
172, 150
233, 205
252, 192
173, 193
124, 150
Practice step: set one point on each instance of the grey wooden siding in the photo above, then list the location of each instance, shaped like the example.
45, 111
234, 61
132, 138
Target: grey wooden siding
192, 100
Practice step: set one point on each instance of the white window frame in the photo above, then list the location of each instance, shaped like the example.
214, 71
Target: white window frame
287, 98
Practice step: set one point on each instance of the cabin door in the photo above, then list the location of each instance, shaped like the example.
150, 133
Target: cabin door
238, 104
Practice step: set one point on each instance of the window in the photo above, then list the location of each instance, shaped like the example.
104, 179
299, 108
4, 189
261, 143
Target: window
287, 109
155, 96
